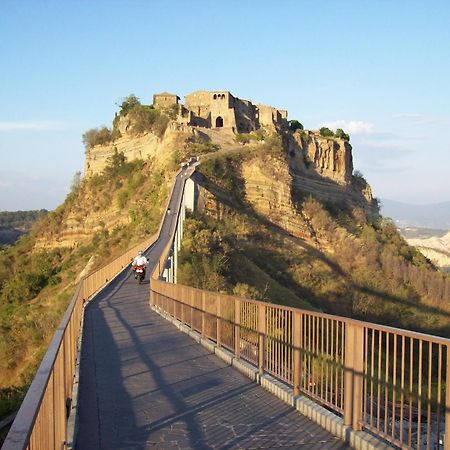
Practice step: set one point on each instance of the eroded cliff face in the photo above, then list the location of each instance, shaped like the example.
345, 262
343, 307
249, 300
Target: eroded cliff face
313, 154
145, 146
268, 189
324, 167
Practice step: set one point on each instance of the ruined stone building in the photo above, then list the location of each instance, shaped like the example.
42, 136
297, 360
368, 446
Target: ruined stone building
165, 99
221, 109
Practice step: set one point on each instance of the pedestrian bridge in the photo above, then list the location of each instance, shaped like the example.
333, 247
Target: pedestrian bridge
166, 366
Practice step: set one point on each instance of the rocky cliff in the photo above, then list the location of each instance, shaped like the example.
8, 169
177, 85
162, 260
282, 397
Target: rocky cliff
144, 146
273, 186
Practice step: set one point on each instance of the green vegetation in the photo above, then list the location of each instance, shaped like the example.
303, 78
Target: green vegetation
295, 125
20, 219
97, 136
141, 119
254, 136
342, 135
216, 256
326, 132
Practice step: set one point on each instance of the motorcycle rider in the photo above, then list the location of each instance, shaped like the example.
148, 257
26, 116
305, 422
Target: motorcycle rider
139, 260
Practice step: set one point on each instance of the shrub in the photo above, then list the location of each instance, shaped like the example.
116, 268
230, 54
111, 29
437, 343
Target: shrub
242, 138
245, 138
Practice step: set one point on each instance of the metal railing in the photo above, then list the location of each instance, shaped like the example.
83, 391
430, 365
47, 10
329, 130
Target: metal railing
41, 422
388, 381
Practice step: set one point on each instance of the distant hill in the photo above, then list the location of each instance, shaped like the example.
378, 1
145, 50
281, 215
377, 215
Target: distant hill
14, 224
435, 215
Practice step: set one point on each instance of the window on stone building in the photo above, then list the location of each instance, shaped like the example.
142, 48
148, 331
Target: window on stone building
215, 96
219, 122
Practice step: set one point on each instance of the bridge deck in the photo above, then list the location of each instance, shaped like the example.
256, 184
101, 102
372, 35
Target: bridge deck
145, 384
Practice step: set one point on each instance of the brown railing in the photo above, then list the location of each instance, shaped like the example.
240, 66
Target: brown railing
41, 422
388, 381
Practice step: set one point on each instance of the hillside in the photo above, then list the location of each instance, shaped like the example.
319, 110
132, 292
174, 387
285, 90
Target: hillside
267, 238
281, 217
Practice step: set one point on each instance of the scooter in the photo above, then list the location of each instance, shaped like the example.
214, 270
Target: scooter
139, 273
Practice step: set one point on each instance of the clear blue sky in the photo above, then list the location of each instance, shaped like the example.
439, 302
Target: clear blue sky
378, 69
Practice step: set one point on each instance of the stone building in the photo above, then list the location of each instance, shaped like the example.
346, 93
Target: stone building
217, 109
165, 99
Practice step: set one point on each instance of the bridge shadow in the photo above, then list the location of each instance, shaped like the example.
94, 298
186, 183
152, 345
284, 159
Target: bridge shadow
117, 359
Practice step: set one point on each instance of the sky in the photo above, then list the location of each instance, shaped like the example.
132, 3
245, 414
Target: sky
378, 69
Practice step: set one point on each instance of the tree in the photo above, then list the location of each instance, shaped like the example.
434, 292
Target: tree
128, 104
342, 135
97, 136
326, 132
295, 125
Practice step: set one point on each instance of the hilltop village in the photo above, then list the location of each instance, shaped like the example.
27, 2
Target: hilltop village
221, 109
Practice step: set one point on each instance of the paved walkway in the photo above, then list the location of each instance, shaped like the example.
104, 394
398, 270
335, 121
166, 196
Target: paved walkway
146, 385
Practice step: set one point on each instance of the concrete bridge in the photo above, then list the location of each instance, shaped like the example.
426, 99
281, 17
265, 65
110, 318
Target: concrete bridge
165, 366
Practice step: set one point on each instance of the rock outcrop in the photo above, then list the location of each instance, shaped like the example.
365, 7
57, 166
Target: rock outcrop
313, 154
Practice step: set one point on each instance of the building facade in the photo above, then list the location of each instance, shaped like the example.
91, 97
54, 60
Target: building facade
221, 109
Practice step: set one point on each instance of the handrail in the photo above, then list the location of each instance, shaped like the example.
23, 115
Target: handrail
389, 381
41, 421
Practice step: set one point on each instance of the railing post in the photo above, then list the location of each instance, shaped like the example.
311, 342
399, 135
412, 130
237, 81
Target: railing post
261, 337
191, 302
203, 313
447, 403
237, 328
297, 351
348, 375
353, 375
182, 303
358, 377
218, 321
